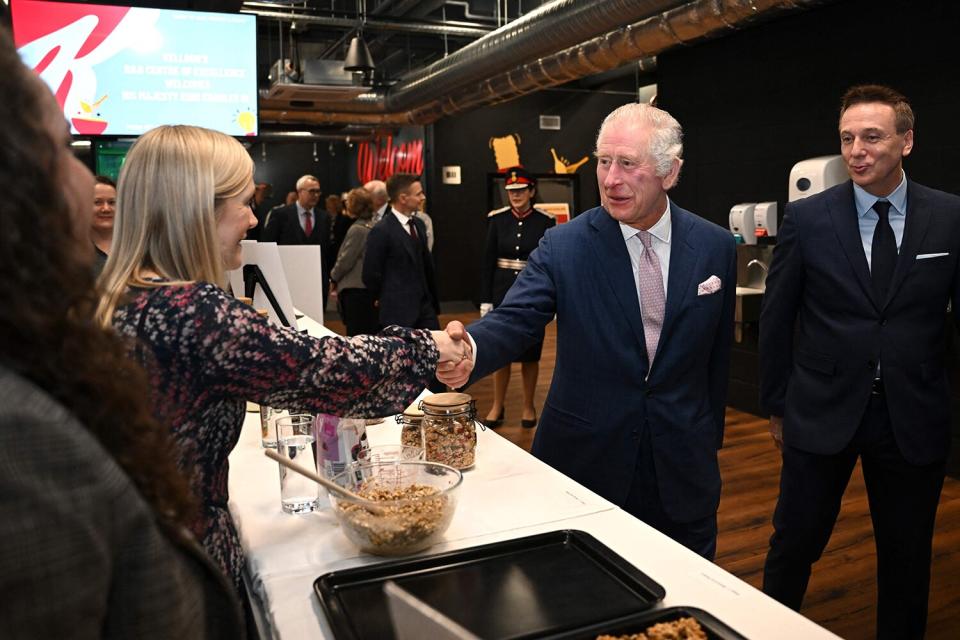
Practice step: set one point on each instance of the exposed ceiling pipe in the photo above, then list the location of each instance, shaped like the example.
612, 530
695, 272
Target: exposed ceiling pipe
553, 26
694, 21
335, 117
450, 28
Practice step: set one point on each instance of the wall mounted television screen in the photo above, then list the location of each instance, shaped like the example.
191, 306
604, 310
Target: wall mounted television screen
124, 70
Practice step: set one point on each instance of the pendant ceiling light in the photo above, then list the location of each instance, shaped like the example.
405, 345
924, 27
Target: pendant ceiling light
358, 58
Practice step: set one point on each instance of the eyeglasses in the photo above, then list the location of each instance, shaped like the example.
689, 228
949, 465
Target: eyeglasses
313, 192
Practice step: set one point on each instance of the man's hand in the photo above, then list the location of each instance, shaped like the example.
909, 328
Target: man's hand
456, 356
776, 431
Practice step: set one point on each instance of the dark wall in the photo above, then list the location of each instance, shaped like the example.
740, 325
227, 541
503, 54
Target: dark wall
754, 103
285, 162
459, 211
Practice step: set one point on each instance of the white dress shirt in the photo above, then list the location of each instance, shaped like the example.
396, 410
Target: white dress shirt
660, 233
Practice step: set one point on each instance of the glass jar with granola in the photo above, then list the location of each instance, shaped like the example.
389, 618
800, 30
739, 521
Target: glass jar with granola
449, 431
411, 430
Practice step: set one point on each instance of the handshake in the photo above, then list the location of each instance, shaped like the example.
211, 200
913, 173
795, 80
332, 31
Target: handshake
456, 355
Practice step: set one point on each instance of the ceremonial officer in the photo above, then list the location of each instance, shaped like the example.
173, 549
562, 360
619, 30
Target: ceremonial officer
512, 233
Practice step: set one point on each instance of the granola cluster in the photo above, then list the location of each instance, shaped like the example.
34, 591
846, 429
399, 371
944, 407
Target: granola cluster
679, 629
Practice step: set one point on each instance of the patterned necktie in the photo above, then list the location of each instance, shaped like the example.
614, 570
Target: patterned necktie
883, 252
652, 299
413, 228
308, 222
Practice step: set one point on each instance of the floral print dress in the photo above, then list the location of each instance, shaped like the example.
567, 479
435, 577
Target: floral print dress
206, 354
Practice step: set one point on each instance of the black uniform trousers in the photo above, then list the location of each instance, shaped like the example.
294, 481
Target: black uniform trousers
903, 504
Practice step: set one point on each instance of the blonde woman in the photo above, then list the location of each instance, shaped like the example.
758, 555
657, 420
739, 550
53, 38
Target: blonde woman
183, 208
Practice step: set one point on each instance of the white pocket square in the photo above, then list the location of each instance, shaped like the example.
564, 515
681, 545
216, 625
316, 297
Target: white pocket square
708, 286
927, 256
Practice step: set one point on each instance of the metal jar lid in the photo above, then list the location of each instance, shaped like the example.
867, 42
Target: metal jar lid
446, 403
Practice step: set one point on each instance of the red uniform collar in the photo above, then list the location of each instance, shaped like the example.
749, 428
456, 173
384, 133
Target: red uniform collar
521, 216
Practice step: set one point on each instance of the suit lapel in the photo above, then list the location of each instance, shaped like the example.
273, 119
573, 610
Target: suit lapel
403, 237
614, 263
842, 211
914, 231
683, 264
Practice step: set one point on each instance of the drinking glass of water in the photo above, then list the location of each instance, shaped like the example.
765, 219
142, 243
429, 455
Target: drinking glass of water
268, 431
295, 442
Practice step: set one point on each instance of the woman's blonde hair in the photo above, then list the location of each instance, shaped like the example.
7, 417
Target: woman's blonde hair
172, 182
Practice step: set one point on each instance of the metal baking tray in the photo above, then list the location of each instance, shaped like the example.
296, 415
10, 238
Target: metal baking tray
523, 588
715, 629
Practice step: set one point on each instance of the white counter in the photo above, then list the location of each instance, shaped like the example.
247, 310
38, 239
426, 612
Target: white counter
508, 494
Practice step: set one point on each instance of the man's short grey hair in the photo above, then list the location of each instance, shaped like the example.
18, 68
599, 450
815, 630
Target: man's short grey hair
666, 138
302, 182
377, 188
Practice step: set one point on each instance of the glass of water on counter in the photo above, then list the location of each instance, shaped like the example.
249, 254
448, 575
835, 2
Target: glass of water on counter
295, 441
268, 429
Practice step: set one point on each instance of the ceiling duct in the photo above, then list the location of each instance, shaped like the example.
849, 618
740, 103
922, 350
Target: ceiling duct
560, 42
323, 80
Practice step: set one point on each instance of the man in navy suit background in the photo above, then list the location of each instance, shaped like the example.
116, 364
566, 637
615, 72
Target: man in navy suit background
397, 265
852, 349
303, 223
643, 293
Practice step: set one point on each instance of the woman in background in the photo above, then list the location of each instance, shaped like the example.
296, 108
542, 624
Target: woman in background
93, 512
101, 225
512, 234
356, 303
183, 210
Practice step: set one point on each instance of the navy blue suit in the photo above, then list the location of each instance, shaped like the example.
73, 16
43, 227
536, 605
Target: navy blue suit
603, 411
822, 333
398, 271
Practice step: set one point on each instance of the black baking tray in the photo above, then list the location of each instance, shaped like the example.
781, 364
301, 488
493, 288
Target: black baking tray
523, 588
715, 629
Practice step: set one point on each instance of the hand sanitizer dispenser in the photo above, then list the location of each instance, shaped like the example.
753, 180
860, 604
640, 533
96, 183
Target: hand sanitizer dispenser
765, 219
742, 223
814, 175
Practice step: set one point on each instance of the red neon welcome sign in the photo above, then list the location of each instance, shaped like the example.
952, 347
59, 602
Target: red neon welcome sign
381, 159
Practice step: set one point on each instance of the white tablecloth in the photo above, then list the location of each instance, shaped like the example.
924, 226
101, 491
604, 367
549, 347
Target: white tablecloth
508, 494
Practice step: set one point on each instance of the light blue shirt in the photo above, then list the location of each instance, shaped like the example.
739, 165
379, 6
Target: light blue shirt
868, 217
660, 244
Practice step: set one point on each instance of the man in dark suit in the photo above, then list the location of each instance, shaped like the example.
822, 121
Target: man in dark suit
643, 293
397, 266
303, 223
852, 347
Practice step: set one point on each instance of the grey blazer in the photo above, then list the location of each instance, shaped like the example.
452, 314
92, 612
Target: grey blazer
348, 271
82, 554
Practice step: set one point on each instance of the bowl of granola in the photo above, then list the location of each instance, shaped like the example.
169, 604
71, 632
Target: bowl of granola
405, 506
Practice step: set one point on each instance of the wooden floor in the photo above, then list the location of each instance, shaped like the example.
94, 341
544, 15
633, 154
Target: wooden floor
842, 593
